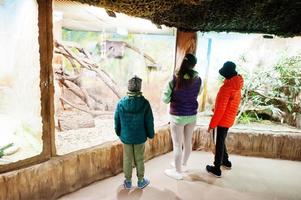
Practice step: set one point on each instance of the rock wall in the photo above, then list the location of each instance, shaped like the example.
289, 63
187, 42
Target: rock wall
268, 144
67, 173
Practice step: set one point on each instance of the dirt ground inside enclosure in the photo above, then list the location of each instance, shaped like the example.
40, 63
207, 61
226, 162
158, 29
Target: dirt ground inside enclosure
73, 140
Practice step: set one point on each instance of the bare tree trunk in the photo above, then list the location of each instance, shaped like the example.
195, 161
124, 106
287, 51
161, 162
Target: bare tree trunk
149, 58
88, 64
92, 112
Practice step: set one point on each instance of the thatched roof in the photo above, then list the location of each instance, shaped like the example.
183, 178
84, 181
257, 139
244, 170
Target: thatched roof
279, 17
77, 16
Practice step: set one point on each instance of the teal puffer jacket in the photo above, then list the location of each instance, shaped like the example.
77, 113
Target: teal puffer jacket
134, 121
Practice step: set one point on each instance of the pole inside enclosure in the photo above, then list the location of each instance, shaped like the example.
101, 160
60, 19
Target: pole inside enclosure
204, 98
186, 42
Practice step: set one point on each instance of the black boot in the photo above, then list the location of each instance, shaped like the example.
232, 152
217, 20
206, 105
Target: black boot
214, 171
227, 164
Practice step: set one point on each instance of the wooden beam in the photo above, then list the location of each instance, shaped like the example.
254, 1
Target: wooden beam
24, 163
46, 76
186, 42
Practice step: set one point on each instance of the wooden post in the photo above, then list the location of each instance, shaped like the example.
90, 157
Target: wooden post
186, 42
46, 76
204, 97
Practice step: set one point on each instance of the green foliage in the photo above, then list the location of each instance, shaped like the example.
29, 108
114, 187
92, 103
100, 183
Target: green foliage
275, 91
2, 149
247, 118
80, 36
289, 83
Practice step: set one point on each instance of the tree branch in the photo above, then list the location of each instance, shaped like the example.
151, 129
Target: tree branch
92, 112
90, 66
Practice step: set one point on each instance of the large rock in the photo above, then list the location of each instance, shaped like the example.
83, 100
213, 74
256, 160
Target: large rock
74, 120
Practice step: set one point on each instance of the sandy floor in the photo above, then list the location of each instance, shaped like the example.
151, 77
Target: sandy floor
74, 140
251, 178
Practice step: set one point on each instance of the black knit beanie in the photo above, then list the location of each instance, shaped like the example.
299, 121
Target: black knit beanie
228, 70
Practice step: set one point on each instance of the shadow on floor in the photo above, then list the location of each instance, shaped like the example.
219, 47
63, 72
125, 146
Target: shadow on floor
147, 193
194, 175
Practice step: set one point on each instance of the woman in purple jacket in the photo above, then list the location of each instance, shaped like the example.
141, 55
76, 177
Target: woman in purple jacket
182, 92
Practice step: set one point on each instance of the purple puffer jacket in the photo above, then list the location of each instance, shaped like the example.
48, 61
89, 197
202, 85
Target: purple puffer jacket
184, 101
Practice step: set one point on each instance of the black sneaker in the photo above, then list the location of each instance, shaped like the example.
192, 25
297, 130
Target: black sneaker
227, 164
214, 171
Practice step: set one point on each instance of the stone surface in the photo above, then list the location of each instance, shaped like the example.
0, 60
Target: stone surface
269, 144
70, 121
250, 179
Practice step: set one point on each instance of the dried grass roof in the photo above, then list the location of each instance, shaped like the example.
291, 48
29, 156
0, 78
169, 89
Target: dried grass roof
279, 17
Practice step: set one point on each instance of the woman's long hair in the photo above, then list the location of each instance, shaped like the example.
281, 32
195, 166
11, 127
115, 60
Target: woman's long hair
186, 67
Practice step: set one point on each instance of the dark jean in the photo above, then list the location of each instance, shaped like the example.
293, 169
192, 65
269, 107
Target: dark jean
221, 154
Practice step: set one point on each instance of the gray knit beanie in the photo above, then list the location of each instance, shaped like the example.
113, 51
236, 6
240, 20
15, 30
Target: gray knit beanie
134, 84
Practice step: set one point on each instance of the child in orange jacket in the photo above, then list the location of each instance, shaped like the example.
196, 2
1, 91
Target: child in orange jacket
225, 111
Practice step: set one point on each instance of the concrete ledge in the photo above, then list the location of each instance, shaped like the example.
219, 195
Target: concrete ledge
65, 174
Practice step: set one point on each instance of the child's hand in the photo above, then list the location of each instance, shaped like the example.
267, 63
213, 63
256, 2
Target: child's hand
210, 130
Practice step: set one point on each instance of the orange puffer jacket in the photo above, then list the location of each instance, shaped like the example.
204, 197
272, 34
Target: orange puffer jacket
227, 102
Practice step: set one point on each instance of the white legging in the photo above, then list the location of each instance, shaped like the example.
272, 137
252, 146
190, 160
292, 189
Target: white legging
178, 133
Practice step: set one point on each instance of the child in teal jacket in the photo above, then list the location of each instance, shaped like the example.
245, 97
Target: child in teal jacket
134, 123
